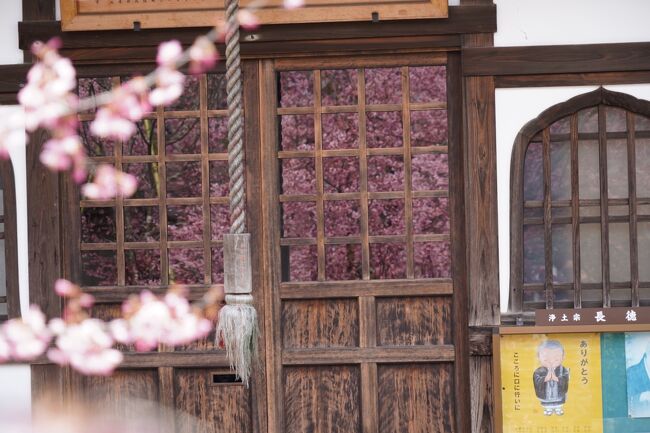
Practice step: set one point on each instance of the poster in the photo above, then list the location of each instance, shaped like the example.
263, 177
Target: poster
551, 383
575, 382
637, 368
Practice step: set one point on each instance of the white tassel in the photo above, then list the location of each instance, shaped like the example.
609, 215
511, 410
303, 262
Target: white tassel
238, 330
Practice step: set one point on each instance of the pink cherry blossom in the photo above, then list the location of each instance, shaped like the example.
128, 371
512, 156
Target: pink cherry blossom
169, 86
109, 183
28, 337
12, 133
247, 19
129, 104
86, 346
203, 55
65, 288
5, 350
47, 96
152, 321
169, 53
293, 4
109, 123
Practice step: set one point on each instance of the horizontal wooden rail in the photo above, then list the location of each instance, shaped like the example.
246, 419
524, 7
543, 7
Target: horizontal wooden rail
564, 59
410, 354
351, 289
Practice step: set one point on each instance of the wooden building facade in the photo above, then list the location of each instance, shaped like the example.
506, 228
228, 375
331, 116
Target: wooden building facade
378, 350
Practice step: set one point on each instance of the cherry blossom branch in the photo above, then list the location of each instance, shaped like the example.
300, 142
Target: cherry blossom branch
76, 339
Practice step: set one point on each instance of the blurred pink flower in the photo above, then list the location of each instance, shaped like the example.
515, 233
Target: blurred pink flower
154, 321
28, 337
169, 86
86, 346
109, 183
63, 287
129, 104
110, 123
12, 133
293, 4
169, 53
5, 350
47, 96
247, 19
203, 55
60, 154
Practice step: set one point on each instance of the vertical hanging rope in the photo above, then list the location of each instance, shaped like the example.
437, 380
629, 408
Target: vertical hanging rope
237, 326
235, 121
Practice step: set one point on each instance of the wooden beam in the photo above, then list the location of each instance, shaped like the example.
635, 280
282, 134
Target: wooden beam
578, 79
39, 10
479, 142
562, 59
462, 19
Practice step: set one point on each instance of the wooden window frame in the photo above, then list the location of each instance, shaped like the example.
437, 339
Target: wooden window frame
161, 157
363, 152
598, 98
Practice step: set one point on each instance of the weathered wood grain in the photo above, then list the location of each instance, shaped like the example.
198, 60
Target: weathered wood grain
122, 395
482, 394
320, 323
414, 321
416, 399
481, 211
209, 407
322, 399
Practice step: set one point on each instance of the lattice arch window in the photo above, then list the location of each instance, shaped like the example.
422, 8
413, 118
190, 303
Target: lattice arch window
580, 205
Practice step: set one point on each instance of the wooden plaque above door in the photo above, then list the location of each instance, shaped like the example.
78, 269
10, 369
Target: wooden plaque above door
126, 14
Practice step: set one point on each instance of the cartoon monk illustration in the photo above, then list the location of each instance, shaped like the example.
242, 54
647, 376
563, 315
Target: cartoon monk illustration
551, 379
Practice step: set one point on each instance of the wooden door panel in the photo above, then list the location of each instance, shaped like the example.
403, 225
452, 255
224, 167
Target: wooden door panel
414, 321
416, 398
320, 323
359, 237
208, 406
182, 385
129, 394
322, 399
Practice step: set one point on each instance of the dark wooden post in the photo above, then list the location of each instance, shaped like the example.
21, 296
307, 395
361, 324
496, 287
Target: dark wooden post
482, 241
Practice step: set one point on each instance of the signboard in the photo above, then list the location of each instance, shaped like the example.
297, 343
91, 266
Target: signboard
592, 316
127, 14
573, 379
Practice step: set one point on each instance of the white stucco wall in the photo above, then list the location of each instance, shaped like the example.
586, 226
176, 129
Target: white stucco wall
562, 22
10, 14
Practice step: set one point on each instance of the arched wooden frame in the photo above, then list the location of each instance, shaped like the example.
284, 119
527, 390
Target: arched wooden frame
10, 237
598, 98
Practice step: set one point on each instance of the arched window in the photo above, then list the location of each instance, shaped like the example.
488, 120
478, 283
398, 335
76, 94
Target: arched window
580, 205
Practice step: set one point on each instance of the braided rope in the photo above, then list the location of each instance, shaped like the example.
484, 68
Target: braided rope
235, 121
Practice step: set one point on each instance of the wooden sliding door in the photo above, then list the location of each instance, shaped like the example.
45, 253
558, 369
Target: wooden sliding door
364, 249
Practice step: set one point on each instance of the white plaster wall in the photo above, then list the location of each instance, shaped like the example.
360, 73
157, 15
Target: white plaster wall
561, 22
10, 13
